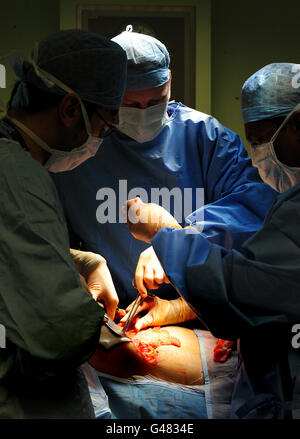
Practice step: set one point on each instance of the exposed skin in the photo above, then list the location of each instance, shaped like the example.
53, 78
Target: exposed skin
287, 143
146, 98
124, 354
61, 126
174, 364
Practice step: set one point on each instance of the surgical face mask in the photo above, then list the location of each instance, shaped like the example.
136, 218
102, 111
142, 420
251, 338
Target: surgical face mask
61, 160
142, 125
276, 174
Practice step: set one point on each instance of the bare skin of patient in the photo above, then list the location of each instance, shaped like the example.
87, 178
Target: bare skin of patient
170, 353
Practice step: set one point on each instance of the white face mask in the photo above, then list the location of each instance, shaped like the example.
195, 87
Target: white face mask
59, 160
142, 125
276, 174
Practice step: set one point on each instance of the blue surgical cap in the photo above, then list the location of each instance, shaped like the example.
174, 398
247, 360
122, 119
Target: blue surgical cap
91, 65
148, 60
273, 91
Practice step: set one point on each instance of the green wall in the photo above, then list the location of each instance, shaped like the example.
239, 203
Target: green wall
234, 38
22, 23
246, 35
68, 19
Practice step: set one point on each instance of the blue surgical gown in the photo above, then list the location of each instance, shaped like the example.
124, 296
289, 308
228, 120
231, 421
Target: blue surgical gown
252, 296
192, 151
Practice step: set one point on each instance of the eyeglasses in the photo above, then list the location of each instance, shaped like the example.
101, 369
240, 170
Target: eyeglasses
107, 130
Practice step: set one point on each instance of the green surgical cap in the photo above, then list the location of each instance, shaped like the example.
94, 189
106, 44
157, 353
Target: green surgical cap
272, 91
88, 63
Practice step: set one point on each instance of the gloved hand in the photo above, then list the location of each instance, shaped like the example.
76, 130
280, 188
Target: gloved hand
86, 262
149, 272
145, 220
93, 269
102, 288
161, 312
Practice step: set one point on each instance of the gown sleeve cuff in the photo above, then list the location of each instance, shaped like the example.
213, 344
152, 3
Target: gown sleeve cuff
175, 249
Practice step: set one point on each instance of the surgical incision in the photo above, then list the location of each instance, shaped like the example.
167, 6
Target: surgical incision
170, 353
148, 340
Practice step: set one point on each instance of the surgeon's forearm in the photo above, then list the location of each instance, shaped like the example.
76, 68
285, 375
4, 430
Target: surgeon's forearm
86, 262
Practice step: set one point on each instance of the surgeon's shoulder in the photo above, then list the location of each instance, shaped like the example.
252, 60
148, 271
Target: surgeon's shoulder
292, 195
208, 129
23, 173
186, 114
180, 111
285, 212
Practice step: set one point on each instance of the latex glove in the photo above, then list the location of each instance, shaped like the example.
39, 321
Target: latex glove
84, 285
102, 288
93, 270
86, 262
149, 272
161, 312
145, 220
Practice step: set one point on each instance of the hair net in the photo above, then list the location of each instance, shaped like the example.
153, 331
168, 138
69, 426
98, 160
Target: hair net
273, 91
148, 60
89, 64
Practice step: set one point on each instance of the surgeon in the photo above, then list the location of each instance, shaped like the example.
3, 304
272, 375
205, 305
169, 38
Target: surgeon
250, 296
161, 145
67, 95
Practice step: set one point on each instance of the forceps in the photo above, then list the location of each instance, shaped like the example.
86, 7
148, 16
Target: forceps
138, 301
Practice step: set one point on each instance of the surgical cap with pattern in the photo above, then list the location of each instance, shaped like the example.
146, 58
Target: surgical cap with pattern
91, 65
272, 91
148, 60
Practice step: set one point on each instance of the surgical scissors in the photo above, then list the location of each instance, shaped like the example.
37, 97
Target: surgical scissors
132, 311
138, 301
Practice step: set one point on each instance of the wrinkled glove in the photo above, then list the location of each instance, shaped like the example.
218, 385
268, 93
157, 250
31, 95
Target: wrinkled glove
86, 262
149, 272
99, 282
161, 312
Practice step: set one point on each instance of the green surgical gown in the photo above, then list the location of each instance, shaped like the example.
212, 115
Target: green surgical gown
51, 325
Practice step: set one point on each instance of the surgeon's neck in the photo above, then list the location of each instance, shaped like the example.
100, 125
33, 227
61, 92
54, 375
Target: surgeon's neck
39, 125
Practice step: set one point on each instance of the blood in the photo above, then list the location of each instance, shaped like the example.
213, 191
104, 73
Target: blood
222, 350
148, 340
